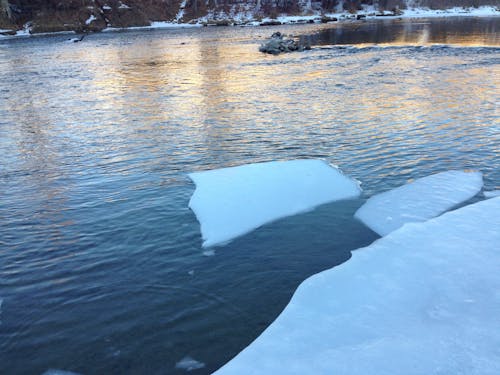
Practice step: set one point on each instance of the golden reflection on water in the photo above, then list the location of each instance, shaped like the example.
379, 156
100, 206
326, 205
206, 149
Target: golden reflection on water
214, 90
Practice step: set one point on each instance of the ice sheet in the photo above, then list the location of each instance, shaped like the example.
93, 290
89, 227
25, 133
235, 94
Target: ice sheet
233, 201
423, 300
418, 201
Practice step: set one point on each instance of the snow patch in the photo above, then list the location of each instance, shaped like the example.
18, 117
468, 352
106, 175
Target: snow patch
483, 11
230, 202
423, 300
169, 25
123, 6
26, 31
420, 200
154, 25
180, 13
91, 19
189, 364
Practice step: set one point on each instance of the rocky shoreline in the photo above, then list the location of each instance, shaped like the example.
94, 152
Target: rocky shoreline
87, 16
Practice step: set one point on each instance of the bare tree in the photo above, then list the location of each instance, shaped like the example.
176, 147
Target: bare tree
5, 7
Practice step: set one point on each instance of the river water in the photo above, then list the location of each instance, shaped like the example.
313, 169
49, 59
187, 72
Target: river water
101, 265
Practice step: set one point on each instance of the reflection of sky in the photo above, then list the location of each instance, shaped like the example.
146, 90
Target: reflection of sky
467, 32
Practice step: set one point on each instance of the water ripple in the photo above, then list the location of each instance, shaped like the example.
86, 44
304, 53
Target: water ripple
100, 258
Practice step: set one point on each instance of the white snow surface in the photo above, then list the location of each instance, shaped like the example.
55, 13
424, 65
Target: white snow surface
180, 13
155, 25
230, 202
482, 11
419, 200
423, 300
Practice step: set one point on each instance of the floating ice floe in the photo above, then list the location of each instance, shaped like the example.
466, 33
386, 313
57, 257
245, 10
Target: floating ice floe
491, 193
420, 200
189, 364
233, 201
423, 300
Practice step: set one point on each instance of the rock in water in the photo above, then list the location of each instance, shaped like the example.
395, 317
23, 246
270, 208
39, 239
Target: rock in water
277, 44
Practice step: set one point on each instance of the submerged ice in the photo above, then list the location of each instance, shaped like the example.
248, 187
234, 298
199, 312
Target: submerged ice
230, 202
189, 364
422, 300
420, 200
491, 193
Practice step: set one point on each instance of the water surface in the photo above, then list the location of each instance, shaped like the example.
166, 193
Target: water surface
101, 265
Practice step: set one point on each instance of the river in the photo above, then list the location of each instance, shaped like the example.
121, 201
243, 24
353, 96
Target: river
101, 265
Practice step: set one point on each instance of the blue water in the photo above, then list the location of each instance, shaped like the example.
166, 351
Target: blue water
101, 265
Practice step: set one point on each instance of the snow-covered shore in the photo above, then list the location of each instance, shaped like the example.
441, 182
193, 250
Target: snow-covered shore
248, 19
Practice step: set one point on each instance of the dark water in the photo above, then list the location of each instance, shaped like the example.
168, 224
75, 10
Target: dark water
463, 32
101, 265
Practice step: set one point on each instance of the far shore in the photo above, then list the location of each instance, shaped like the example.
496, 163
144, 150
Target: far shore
248, 21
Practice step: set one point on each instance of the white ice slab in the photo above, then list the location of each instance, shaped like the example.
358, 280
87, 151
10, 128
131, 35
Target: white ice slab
420, 200
423, 300
233, 201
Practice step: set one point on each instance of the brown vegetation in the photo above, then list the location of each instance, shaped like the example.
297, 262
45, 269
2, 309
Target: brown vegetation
59, 15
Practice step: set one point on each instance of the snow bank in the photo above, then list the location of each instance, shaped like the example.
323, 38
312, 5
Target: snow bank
233, 201
482, 11
154, 25
423, 300
420, 200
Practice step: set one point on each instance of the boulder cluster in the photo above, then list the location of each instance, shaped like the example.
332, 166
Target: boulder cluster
278, 44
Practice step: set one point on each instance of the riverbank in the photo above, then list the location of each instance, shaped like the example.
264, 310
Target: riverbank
249, 19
